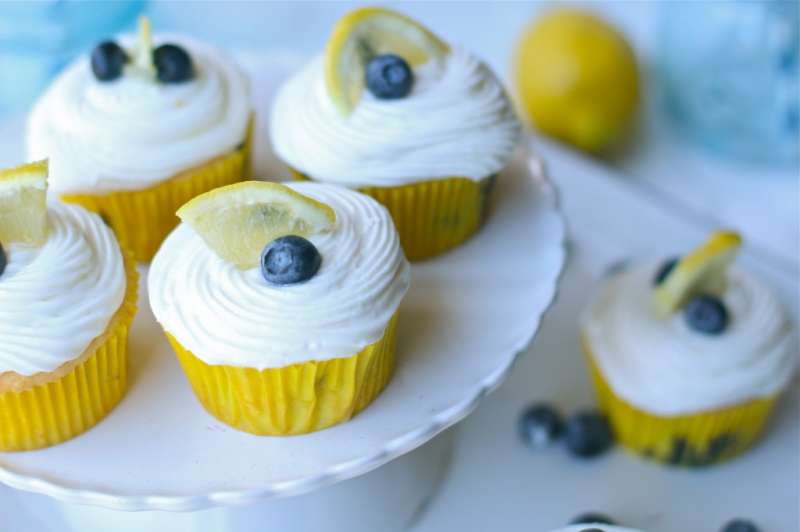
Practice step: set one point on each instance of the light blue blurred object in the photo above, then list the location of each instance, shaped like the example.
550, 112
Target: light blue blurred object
729, 70
37, 38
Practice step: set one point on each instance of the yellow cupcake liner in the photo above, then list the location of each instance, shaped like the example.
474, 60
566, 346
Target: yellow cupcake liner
142, 219
295, 399
692, 440
435, 216
75, 397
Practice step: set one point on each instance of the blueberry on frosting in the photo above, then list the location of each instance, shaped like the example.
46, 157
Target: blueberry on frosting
173, 64
108, 60
665, 270
3, 260
389, 77
289, 260
706, 314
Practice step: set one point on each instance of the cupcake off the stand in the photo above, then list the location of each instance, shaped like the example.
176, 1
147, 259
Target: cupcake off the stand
689, 355
67, 299
139, 128
281, 303
393, 111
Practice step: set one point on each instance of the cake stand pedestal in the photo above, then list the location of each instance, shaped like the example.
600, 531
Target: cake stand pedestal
462, 325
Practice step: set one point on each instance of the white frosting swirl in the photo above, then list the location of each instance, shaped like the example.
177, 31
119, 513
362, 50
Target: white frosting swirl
228, 316
667, 368
457, 122
56, 298
133, 132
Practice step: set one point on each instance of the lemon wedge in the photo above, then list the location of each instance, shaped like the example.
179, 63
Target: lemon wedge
364, 33
237, 221
23, 203
701, 270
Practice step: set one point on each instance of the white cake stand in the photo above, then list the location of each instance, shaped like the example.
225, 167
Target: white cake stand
466, 318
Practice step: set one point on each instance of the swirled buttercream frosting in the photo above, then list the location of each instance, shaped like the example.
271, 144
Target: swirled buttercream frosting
667, 368
456, 122
58, 297
230, 316
132, 132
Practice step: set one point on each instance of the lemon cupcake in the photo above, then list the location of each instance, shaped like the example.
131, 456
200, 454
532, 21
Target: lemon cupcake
281, 303
393, 111
689, 356
133, 132
67, 299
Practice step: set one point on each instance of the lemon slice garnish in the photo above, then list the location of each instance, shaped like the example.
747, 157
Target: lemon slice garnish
23, 204
364, 33
237, 221
702, 270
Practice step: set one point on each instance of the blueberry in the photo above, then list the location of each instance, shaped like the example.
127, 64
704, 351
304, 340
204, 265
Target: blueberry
740, 525
591, 530
539, 425
665, 270
706, 314
3, 260
389, 77
592, 518
289, 260
108, 59
587, 434
173, 64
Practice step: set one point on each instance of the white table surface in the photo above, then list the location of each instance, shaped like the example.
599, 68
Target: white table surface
659, 197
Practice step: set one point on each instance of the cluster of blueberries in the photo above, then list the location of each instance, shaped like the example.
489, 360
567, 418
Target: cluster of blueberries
705, 313
737, 525
172, 62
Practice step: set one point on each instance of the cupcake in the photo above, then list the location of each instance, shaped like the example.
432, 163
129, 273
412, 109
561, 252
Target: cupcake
67, 300
133, 132
281, 303
391, 110
689, 355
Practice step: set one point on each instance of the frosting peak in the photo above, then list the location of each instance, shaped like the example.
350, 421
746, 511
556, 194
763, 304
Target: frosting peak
228, 316
456, 122
130, 133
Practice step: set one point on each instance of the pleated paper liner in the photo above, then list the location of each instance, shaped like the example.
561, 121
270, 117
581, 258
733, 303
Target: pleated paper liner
71, 400
435, 216
142, 219
295, 399
692, 440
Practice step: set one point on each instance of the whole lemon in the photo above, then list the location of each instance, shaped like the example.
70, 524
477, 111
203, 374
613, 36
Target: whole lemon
577, 78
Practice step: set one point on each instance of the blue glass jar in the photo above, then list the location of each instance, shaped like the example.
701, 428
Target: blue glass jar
729, 72
38, 38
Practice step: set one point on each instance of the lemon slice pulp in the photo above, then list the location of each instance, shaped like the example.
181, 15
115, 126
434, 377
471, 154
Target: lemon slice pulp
364, 33
702, 270
237, 221
23, 203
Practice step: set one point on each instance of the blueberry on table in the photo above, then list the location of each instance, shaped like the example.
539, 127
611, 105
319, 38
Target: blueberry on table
588, 434
706, 314
3, 260
592, 518
108, 60
665, 270
539, 425
740, 525
389, 77
591, 530
289, 260
173, 64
